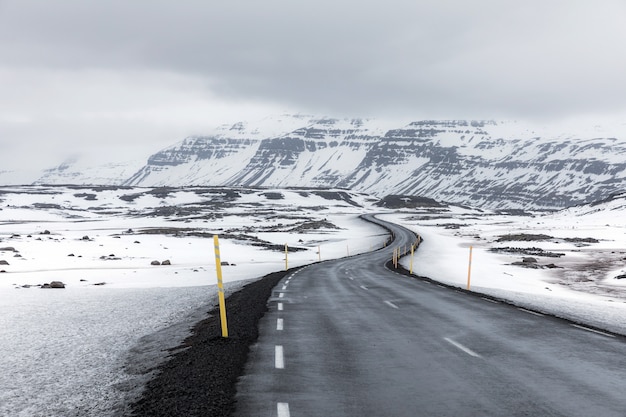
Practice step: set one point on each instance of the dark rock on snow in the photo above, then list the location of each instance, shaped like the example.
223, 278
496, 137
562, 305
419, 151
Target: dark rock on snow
54, 284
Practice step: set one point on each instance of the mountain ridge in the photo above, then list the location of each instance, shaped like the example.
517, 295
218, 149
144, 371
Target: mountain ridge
490, 164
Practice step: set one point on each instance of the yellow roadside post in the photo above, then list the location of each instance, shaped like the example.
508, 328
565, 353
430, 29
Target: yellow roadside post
396, 255
469, 268
398, 252
220, 286
286, 257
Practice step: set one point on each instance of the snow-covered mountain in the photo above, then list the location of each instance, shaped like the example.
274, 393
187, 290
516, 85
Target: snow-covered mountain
81, 171
480, 163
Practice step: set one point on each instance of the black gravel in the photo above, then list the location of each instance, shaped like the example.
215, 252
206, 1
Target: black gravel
200, 378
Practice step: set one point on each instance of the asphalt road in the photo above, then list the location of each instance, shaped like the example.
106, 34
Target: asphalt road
352, 338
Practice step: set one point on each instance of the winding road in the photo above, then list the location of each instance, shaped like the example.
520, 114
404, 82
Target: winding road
353, 338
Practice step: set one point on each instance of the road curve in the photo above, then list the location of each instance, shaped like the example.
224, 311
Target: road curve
352, 338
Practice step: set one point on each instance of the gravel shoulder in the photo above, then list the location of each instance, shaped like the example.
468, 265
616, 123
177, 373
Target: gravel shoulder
200, 377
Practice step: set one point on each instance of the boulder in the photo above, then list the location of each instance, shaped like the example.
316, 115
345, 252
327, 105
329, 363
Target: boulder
3, 262
529, 260
155, 263
166, 262
54, 284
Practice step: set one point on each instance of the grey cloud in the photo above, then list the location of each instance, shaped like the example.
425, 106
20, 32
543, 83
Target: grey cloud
463, 59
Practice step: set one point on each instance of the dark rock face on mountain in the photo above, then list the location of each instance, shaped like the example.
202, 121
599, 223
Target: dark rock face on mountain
479, 163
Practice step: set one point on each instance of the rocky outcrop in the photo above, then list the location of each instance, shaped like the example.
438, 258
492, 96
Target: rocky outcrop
54, 284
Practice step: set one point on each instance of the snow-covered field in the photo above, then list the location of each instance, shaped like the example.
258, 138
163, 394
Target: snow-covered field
84, 350
580, 253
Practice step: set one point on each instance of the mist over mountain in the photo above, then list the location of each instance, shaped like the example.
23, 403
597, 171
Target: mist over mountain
490, 164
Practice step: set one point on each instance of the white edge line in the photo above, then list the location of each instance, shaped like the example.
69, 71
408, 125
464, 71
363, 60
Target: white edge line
530, 312
592, 330
279, 358
461, 347
282, 409
490, 300
279, 324
390, 304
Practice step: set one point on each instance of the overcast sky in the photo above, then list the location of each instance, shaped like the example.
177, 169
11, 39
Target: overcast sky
146, 73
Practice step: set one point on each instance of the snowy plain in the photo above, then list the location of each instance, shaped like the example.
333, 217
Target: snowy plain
86, 350
580, 253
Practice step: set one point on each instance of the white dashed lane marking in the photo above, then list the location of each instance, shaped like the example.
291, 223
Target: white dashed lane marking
279, 358
279, 324
283, 410
462, 348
